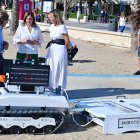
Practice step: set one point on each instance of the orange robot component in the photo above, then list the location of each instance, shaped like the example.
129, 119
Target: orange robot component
2, 78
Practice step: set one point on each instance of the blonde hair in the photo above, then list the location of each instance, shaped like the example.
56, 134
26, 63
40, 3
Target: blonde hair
56, 13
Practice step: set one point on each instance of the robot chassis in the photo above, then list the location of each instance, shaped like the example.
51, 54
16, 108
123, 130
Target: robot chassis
28, 105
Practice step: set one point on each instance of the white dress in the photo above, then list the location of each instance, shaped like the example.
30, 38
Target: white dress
57, 58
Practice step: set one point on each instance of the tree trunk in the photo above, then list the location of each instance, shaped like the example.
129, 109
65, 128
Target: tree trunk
65, 10
14, 17
80, 5
90, 7
135, 18
99, 6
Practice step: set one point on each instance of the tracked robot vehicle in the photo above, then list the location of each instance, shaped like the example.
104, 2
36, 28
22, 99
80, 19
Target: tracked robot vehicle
27, 105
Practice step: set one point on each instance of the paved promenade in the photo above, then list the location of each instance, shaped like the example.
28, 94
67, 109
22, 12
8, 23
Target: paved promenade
95, 25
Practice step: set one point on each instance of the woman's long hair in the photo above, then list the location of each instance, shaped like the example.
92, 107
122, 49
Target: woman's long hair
58, 16
29, 14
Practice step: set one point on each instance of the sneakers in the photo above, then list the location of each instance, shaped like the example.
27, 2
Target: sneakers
58, 90
137, 73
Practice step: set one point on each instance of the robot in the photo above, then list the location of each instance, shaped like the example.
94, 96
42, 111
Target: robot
27, 104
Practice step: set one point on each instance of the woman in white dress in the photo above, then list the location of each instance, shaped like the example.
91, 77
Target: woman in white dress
57, 53
28, 38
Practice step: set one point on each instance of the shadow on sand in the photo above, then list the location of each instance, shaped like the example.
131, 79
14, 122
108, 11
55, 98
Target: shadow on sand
100, 92
83, 61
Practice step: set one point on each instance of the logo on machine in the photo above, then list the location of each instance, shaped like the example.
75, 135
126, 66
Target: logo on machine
128, 122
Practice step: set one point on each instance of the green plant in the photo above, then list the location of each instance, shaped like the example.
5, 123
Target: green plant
95, 17
81, 16
72, 15
112, 16
90, 17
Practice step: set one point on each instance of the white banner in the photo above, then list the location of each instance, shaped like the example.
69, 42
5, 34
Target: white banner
47, 6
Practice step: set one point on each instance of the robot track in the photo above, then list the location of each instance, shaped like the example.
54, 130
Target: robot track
30, 121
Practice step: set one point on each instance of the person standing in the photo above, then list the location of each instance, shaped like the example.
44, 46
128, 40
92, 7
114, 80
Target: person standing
122, 22
78, 15
3, 44
72, 51
102, 16
105, 16
28, 38
37, 15
57, 52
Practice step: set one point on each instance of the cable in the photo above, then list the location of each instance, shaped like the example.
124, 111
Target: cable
78, 123
73, 114
66, 94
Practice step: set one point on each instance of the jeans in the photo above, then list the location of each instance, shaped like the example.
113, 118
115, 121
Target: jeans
121, 28
1, 63
139, 51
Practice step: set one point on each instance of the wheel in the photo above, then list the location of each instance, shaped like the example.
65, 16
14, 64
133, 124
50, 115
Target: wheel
1, 129
16, 130
48, 129
31, 129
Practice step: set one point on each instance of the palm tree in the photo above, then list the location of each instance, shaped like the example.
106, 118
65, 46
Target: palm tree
135, 18
14, 17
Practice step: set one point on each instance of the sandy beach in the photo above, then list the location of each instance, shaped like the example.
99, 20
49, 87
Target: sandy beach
92, 58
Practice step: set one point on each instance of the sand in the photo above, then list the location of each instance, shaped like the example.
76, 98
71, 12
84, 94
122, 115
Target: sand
92, 58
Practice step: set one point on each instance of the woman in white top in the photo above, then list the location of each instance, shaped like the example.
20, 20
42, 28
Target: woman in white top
122, 22
78, 15
57, 53
28, 38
